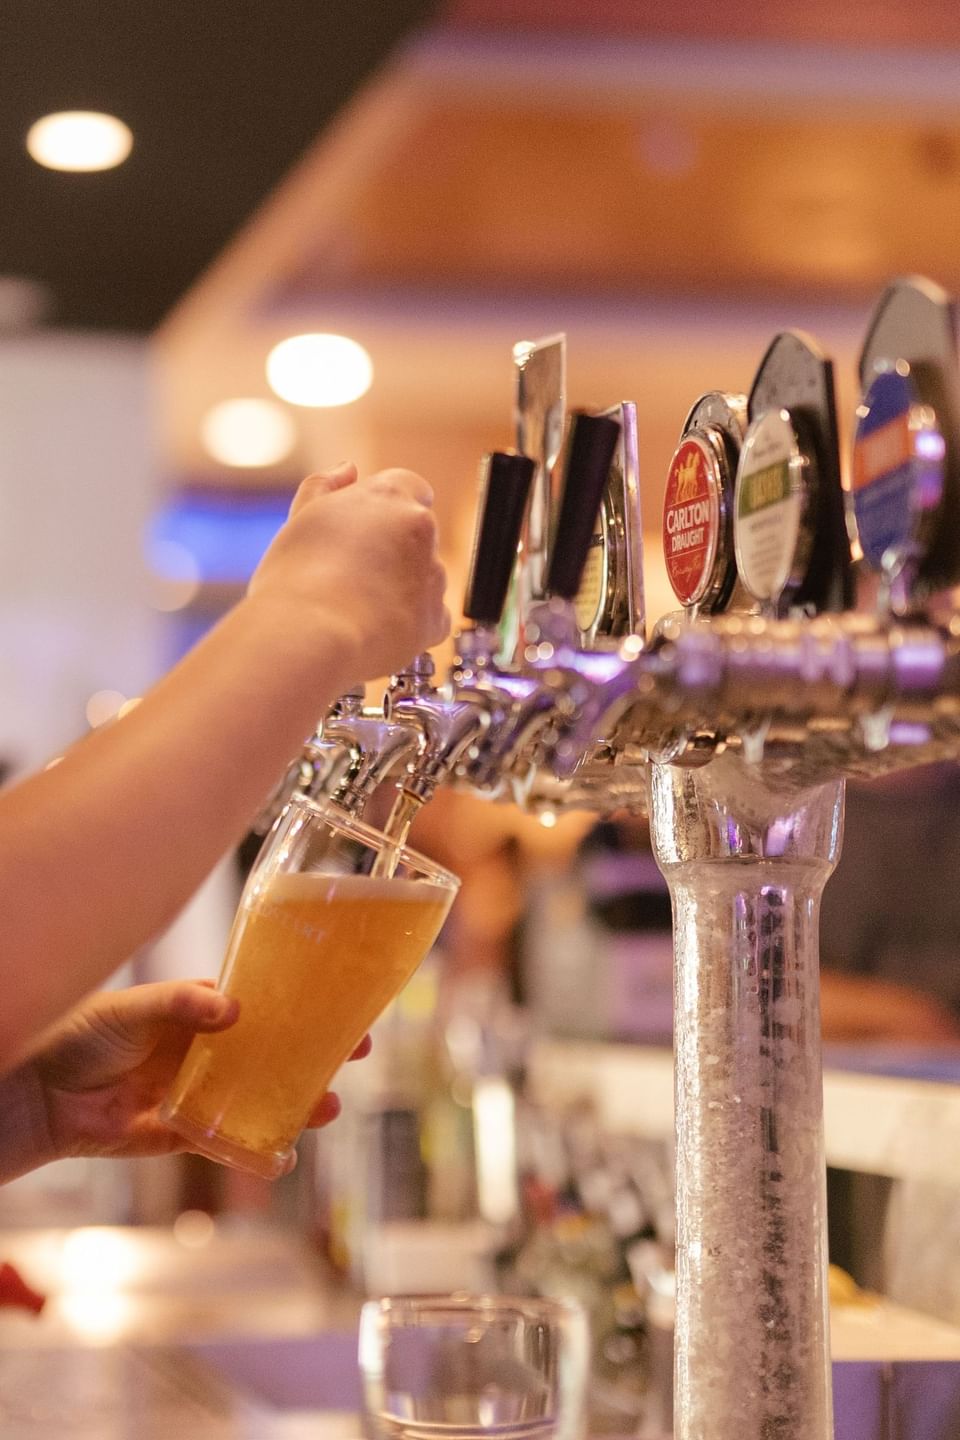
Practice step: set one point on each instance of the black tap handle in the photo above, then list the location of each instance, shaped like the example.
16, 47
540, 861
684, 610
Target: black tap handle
589, 455
504, 487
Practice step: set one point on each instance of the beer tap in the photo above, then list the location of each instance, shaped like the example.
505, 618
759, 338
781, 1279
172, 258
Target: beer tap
906, 467
376, 745
320, 768
353, 750
742, 715
549, 682
691, 691
451, 720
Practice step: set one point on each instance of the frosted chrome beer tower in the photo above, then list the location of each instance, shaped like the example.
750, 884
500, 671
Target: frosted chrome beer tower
735, 723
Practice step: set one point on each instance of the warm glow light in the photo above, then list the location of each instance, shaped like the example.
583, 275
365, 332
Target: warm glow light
248, 433
104, 706
319, 370
494, 1129
100, 1318
94, 1260
79, 140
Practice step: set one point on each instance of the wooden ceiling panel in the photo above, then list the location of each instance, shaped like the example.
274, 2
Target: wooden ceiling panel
648, 198
872, 22
669, 205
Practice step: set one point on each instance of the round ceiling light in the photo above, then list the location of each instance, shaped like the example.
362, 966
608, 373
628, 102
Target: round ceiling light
319, 370
248, 434
81, 140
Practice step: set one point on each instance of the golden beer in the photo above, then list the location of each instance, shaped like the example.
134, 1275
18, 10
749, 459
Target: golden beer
313, 960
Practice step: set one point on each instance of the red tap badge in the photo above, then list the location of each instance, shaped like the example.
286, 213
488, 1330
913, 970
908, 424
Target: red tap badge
691, 521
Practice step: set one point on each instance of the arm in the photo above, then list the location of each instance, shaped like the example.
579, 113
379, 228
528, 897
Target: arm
100, 852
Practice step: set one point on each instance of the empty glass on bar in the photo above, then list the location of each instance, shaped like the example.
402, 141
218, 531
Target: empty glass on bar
473, 1367
326, 935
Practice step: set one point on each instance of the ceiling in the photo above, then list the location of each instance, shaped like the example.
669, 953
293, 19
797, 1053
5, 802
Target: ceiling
222, 97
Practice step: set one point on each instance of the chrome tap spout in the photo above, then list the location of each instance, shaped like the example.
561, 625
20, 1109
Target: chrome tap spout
518, 708
583, 690
319, 770
865, 691
447, 722
375, 745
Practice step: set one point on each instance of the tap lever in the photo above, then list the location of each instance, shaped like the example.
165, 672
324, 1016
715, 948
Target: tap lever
906, 500
590, 450
916, 321
505, 480
792, 414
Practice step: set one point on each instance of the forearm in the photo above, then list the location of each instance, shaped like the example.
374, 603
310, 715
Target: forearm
24, 1132
99, 853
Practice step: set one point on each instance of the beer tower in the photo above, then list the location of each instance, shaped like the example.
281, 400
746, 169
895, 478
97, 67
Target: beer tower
736, 722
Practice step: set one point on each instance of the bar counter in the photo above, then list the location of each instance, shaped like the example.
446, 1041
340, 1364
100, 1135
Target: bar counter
223, 1333
220, 1331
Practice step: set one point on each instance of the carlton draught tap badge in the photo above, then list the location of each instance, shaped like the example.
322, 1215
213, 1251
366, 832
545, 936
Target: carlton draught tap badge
691, 520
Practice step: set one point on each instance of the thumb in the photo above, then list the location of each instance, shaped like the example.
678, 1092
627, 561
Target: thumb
137, 1013
324, 482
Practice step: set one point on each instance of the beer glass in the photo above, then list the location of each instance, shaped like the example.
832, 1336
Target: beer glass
473, 1367
333, 920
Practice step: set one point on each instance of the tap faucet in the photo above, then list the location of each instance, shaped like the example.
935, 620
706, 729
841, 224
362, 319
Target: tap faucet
521, 703
375, 741
452, 720
444, 724
560, 676
319, 770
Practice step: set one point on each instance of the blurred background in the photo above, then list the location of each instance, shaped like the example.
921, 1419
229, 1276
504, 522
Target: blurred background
428, 183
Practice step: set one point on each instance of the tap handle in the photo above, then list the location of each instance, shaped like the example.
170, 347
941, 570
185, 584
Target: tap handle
589, 455
504, 486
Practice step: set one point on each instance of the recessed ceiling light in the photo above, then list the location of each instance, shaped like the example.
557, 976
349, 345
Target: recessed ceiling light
319, 370
79, 140
248, 434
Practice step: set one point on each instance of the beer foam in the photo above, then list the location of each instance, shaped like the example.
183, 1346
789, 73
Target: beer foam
317, 886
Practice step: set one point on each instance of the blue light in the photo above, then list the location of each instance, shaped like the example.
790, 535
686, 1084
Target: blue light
224, 534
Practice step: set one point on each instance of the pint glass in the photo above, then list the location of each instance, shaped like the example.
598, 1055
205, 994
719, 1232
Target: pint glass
325, 936
473, 1367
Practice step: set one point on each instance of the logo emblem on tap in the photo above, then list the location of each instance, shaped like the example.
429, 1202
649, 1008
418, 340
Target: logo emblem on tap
899, 455
691, 520
770, 536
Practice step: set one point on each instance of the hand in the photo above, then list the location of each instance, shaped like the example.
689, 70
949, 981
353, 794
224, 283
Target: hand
361, 555
94, 1082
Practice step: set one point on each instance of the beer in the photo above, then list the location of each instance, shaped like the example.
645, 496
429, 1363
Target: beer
313, 960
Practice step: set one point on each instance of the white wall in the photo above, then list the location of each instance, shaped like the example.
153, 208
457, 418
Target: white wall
77, 482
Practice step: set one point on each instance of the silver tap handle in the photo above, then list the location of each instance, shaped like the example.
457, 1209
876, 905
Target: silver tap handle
505, 480
589, 454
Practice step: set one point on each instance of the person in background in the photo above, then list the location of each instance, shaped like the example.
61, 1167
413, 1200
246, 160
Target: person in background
100, 851
890, 916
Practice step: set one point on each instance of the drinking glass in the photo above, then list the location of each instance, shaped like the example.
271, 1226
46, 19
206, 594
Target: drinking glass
333, 920
473, 1367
